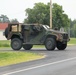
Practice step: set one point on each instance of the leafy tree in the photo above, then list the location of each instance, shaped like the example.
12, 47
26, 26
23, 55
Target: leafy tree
4, 18
59, 18
40, 13
14, 21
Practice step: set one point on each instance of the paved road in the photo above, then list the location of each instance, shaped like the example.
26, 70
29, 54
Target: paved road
55, 63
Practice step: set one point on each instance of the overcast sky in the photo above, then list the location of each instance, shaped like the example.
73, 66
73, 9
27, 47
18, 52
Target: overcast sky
16, 8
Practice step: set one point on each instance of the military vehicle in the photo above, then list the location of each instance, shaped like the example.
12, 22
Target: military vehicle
27, 35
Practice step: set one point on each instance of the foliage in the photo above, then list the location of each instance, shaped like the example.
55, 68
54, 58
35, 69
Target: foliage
37, 14
59, 18
73, 28
4, 18
14, 21
40, 13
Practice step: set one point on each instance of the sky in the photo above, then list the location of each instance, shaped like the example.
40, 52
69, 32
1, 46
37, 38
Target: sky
16, 8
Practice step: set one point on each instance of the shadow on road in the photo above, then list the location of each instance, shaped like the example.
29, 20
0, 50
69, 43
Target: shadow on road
32, 50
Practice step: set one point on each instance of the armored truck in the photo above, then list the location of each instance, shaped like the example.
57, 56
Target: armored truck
27, 35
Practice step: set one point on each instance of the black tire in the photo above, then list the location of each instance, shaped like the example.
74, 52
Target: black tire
61, 46
50, 44
27, 46
6, 32
16, 44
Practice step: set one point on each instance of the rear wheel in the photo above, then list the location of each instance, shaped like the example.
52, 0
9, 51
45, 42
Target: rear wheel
27, 46
16, 44
61, 46
50, 44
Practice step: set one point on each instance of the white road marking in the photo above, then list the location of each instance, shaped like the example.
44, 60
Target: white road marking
57, 62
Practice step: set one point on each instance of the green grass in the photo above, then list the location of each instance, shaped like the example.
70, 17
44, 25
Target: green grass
72, 41
38, 46
9, 58
4, 43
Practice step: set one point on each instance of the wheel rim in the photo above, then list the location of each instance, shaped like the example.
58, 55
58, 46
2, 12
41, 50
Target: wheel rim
49, 44
16, 44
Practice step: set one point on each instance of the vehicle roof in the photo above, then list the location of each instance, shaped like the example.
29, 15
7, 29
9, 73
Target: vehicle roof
22, 24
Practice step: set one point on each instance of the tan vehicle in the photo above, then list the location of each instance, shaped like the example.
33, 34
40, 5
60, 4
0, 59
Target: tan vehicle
27, 35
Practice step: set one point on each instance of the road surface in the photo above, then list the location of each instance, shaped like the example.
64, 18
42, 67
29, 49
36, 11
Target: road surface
55, 63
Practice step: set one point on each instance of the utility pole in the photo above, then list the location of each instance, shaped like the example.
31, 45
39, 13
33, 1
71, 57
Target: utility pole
51, 14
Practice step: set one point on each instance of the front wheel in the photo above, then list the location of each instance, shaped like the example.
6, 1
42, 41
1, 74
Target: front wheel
16, 44
61, 46
27, 46
50, 44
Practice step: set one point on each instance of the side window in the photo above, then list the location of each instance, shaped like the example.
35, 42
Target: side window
37, 28
27, 28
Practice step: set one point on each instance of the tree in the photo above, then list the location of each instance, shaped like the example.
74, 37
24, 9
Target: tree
40, 13
73, 28
59, 18
4, 18
14, 21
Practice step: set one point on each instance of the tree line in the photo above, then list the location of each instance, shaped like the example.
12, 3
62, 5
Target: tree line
73, 28
40, 14
5, 19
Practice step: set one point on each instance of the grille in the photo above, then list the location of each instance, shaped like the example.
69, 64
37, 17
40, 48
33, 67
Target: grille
65, 36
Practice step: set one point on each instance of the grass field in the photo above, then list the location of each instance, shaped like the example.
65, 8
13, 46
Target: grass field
72, 41
4, 43
8, 58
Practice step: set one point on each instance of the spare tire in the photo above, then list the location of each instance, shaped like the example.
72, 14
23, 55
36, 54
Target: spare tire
6, 32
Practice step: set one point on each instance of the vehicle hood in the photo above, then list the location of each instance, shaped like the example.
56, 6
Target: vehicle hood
57, 31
